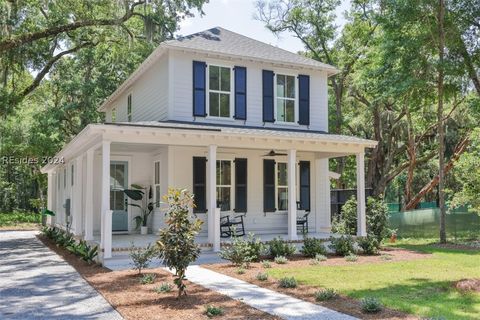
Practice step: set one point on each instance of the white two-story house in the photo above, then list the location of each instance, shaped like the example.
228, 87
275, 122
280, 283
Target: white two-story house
241, 124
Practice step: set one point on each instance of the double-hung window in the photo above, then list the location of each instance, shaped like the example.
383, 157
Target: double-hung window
285, 98
219, 91
129, 108
156, 183
282, 186
224, 185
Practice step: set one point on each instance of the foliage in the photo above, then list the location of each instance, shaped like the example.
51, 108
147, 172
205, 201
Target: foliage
343, 245
266, 264
368, 244
312, 247
325, 294
141, 257
242, 251
18, 217
148, 278
351, 257
261, 276
86, 252
164, 288
240, 270
177, 241
371, 305
213, 311
287, 282
346, 223
142, 194
281, 260
317, 259
278, 247
386, 257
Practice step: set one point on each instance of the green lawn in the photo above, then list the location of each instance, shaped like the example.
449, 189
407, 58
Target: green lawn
422, 287
19, 219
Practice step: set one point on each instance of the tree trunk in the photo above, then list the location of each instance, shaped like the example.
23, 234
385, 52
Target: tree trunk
441, 129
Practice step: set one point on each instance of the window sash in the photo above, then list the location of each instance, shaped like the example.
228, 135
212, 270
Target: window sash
282, 97
281, 187
224, 185
215, 105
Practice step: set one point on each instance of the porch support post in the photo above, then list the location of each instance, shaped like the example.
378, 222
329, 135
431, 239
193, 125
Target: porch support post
89, 197
106, 224
292, 194
322, 197
77, 196
361, 216
211, 193
50, 191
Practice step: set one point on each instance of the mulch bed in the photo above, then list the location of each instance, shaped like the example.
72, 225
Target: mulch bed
306, 292
467, 285
133, 300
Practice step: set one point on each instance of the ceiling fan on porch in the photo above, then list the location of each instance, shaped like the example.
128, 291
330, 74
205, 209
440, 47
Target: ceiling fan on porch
273, 153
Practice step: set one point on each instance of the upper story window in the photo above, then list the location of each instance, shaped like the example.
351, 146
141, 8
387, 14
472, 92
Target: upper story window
129, 108
219, 91
285, 98
114, 114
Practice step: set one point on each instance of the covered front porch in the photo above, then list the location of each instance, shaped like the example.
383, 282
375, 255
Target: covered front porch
271, 178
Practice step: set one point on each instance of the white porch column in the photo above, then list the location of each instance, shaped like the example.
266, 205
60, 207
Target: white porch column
50, 201
106, 224
211, 192
292, 194
89, 197
77, 196
107, 245
361, 216
216, 230
322, 196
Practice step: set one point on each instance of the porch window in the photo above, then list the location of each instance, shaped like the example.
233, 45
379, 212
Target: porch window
219, 91
282, 186
156, 184
285, 98
224, 184
129, 108
114, 114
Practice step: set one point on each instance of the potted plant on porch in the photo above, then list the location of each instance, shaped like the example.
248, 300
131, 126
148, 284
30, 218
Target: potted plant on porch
139, 193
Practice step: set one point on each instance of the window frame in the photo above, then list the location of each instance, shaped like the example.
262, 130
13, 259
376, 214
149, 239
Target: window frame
295, 104
129, 107
232, 183
278, 186
157, 183
231, 93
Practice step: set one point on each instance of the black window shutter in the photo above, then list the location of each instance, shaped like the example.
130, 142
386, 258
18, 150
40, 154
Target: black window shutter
200, 184
240, 93
304, 185
304, 100
199, 89
268, 114
240, 185
269, 185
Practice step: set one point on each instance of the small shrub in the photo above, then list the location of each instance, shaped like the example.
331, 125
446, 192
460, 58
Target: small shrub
312, 247
325, 294
320, 257
287, 282
278, 247
212, 311
281, 260
262, 276
164, 288
141, 257
242, 251
148, 278
351, 258
240, 270
369, 245
266, 264
343, 245
371, 305
386, 257
314, 262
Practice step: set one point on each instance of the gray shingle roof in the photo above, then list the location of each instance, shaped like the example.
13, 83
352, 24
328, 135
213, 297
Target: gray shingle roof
225, 42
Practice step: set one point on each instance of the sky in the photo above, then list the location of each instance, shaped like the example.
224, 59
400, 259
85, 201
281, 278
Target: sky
238, 16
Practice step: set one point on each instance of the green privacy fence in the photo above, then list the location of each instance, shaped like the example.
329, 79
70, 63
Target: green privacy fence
424, 223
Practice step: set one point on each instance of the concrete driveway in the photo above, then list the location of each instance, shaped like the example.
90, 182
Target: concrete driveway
35, 283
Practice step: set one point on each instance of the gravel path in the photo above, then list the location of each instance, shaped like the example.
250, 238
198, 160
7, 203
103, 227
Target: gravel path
35, 283
269, 301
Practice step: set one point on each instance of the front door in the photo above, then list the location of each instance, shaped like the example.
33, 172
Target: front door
118, 199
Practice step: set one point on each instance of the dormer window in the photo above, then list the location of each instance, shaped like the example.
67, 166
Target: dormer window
220, 91
285, 98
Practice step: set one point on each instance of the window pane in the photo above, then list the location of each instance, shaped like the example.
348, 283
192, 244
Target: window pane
214, 104
224, 105
223, 198
282, 198
280, 110
225, 79
280, 85
289, 111
214, 77
290, 87
223, 172
282, 174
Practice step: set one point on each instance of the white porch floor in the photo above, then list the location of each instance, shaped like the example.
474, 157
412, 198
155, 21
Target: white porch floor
121, 242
